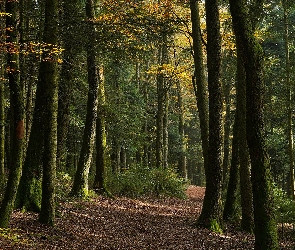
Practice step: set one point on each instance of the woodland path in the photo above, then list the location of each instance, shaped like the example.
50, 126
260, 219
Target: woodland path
122, 223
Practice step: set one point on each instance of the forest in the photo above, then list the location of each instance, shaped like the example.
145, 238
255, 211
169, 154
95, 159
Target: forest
147, 124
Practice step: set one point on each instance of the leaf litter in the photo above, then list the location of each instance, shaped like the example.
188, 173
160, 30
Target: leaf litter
124, 223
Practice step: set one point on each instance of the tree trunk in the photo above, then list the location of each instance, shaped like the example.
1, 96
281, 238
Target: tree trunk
17, 105
48, 74
99, 180
247, 222
291, 188
182, 164
2, 101
211, 212
80, 185
227, 130
199, 80
265, 225
230, 206
71, 24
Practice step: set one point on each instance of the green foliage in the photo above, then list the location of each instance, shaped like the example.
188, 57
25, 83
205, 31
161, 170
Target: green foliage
284, 207
63, 185
215, 226
138, 181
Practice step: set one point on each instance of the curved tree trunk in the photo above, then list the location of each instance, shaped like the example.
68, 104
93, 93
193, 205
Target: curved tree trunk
211, 212
265, 225
80, 185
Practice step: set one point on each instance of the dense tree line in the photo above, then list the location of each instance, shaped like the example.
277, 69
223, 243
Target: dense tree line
97, 88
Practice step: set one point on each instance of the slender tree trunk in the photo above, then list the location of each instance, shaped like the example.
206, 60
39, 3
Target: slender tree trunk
199, 80
17, 104
230, 206
162, 109
291, 189
2, 90
80, 185
247, 222
182, 162
227, 130
101, 140
265, 225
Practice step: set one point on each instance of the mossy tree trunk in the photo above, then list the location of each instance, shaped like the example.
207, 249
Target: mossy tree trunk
27, 196
80, 185
182, 161
291, 188
247, 222
101, 139
48, 74
72, 23
199, 80
17, 105
265, 225
230, 206
211, 212
2, 89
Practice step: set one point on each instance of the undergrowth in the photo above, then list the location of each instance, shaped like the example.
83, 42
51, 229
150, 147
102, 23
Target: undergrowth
143, 181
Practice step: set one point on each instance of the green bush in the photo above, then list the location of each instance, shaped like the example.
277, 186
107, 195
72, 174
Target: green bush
63, 186
284, 207
139, 181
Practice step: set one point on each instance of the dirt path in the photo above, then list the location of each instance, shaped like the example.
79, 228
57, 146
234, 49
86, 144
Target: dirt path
123, 223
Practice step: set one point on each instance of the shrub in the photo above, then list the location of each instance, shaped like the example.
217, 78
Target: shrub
138, 181
284, 207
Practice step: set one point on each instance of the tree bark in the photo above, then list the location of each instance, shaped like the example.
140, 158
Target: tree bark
2, 89
48, 75
265, 225
80, 185
291, 188
182, 164
162, 108
247, 222
199, 80
71, 36
211, 212
230, 206
17, 105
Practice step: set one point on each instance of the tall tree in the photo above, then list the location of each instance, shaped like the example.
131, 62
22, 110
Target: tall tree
230, 205
247, 222
48, 73
265, 226
17, 106
291, 188
2, 89
211, 212
73, 44
80, 185
162, 104
101, 143
199, 80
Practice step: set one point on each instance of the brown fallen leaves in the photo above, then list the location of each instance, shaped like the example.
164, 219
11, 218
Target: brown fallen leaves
105, 223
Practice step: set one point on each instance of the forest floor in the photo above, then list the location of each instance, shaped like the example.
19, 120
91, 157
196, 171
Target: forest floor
123, 223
